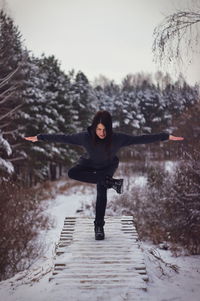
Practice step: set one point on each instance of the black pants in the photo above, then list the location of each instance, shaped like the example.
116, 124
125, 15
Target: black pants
95, 176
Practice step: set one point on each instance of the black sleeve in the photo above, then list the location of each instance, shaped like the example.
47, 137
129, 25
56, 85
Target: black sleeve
125, 139
76, 139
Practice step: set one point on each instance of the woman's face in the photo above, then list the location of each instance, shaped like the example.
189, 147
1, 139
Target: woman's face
101, 131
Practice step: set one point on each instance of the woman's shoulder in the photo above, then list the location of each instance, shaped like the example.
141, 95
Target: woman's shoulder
86, 136
118, 134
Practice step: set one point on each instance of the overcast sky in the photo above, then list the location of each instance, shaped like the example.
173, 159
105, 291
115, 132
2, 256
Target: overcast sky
109, 37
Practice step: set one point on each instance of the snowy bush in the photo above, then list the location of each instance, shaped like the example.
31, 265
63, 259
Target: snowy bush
20, 220
170, 208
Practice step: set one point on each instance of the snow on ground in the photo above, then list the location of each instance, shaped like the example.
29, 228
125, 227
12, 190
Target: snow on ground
164, 284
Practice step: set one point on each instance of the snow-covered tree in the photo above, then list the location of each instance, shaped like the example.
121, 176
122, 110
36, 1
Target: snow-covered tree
5, 149
82, 99
6, 112
47, 111
12, 58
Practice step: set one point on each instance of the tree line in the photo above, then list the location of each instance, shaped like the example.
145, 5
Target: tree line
37, 96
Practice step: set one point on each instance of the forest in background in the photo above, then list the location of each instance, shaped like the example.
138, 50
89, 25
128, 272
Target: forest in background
37, 96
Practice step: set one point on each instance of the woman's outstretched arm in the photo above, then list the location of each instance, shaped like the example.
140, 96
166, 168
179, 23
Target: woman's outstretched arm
126, 140
76, 139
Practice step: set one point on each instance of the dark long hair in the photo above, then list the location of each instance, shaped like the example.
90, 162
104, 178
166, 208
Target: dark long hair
105, 118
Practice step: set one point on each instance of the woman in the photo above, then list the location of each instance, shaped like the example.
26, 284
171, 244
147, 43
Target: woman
99, 164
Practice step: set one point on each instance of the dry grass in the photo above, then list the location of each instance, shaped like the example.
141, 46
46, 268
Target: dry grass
21, 219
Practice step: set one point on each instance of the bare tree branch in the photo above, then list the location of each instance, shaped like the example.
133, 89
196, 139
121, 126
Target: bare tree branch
10, 112
5, 125
10, 132
8, 77
16, 145
7, 97
9, 90
15, 159
176, 37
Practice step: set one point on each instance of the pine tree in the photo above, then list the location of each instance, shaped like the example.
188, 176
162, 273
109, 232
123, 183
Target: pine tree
55, 111
83, 101
11, 71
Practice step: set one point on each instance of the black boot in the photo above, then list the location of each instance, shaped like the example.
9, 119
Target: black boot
99, 231
116, 184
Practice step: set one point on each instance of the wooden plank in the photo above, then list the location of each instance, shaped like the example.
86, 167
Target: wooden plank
85, 264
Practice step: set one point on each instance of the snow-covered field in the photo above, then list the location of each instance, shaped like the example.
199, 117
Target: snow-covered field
165, 284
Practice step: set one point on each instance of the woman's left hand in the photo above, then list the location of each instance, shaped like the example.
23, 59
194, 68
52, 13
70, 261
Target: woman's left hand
171, 137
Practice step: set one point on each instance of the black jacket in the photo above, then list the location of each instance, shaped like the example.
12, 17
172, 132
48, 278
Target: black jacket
97, 155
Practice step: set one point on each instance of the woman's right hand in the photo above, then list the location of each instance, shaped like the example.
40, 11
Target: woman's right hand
32, 139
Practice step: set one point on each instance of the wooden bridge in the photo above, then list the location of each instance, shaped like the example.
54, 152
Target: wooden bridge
113, 268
